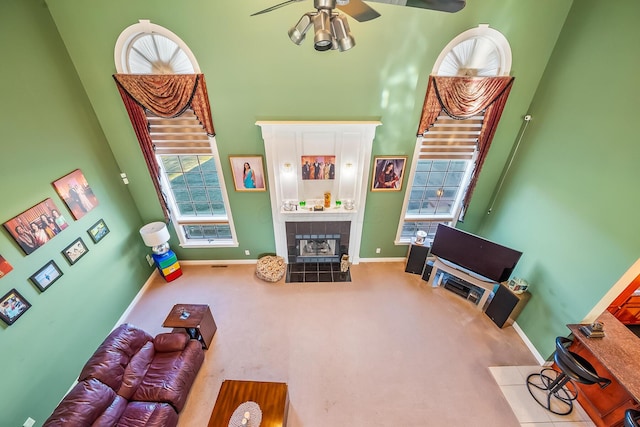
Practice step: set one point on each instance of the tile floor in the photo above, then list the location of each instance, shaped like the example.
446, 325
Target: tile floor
307, 272
512, 382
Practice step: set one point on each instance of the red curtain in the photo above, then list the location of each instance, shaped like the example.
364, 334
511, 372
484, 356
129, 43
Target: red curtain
462, 98
165, 95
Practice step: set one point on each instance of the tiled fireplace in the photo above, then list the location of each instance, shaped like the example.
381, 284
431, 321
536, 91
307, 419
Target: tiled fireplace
322, 241
314, 249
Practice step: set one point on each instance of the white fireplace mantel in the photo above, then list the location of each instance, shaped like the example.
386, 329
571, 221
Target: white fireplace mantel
286, 142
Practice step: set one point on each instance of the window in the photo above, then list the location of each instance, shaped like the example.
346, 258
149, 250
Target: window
443, 163
197, 203
189, 173
447, 153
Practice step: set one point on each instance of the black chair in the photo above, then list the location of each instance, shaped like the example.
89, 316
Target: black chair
631, 418
555, 390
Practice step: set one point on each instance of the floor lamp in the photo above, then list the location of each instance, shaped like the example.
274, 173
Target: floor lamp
156, 236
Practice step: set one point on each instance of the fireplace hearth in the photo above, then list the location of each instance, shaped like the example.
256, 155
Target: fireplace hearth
311, 272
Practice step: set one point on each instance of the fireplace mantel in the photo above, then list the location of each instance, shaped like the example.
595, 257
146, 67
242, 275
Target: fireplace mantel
286, 142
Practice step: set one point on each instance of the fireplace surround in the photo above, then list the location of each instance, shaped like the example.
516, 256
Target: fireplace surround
287, 143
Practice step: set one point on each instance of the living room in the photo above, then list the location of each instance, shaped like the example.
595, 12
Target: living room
62, 112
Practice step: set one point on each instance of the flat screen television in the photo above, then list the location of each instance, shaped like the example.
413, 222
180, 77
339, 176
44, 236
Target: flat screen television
481, 256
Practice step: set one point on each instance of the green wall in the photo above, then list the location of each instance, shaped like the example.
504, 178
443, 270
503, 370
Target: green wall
254, 72
570, 199
48, 129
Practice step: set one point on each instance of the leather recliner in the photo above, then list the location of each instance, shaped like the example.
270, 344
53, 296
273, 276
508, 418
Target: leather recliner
132, 379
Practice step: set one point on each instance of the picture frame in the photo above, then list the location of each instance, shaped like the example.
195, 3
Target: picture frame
98, 230
37, 225
12, 306
46, 276
5, 267
388, 173
76, 193
318, 167
76, 250
253, 181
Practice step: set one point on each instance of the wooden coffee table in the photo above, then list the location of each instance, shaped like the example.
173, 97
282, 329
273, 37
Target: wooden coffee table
273, 399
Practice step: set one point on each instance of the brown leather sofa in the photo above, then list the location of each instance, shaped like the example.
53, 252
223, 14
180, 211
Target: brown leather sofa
133, 379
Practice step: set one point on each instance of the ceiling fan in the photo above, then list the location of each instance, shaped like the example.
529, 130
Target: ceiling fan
331, 27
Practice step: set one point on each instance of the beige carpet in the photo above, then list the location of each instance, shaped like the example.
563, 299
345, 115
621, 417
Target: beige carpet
383, 350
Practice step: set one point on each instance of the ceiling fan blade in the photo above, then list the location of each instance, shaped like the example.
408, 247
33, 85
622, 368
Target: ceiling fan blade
274, 7
359, 10
450, 6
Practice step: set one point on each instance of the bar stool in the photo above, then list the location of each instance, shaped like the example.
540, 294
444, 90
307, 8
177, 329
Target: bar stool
555, 391
631, 418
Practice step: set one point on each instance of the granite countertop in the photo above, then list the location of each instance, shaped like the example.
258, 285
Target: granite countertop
618, 351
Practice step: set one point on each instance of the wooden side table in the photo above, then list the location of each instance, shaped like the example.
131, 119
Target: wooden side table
195, 319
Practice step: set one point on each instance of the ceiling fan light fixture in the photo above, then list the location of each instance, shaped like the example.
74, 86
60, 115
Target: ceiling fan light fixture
299, 31
341, 33
323, 39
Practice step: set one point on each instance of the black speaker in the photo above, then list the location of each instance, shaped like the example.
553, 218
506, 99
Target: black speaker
501, 306
417, 258
428, 268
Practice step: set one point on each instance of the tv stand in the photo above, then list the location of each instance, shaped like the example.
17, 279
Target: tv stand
466, 276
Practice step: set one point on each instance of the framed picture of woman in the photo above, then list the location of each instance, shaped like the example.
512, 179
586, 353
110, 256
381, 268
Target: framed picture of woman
388, 173
248, 173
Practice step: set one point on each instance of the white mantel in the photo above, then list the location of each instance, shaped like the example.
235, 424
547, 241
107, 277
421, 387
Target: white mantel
286, 142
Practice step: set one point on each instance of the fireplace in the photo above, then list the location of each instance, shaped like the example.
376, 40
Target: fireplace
286, 144
317, 241
317, 248
314, 250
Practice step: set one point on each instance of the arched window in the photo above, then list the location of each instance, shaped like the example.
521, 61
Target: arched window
467, 90
165, 95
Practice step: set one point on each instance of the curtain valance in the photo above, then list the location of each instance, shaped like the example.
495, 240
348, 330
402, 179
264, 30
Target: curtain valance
169, 95
462, 98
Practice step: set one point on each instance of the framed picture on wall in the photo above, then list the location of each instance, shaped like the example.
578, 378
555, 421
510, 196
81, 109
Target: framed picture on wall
36, 226
5, 267
248, 173
318, 167
74, 189
12, 306
388, 173
75, 251
45, 277
98, 231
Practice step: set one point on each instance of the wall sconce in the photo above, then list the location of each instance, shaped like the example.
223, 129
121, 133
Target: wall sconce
156, 236
349, 169
440, 192
287, 168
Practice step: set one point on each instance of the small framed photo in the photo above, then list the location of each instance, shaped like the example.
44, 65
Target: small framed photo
98, 231
12, 306
75, 251
388, 173
248, 173
45, 277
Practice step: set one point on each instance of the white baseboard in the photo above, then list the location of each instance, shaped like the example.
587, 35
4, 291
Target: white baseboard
219, 261
394, 259
541, 360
